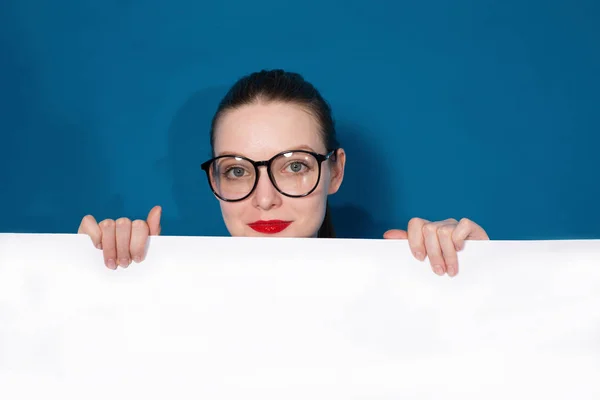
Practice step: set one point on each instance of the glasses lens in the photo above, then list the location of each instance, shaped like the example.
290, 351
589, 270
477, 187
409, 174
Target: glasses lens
232, 178
295, 173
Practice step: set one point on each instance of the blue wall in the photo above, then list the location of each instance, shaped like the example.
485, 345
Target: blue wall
485, 109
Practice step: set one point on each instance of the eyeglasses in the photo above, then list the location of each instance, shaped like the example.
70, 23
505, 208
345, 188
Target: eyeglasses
294, 173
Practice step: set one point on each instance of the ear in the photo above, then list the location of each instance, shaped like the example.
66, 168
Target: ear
337, 166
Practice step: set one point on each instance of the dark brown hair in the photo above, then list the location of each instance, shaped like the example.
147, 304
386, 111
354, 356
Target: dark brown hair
279, 85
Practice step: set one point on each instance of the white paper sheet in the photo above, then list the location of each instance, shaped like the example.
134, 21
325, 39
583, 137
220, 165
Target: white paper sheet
240, 318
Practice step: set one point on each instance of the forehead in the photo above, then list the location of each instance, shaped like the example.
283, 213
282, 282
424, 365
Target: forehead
260, 130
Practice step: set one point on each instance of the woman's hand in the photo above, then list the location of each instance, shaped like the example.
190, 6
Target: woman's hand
440, 241
122, 240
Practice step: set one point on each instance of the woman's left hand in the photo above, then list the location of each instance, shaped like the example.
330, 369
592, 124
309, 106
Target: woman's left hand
440, 241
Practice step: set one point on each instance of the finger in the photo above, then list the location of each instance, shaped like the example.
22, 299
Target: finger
109, 246
467, 229
153, 220
415, 237
90, 227
139, 238
444, 234
123, 237
395, 234
433, 249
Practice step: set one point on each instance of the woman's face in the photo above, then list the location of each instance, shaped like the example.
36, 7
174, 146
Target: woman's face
259, 131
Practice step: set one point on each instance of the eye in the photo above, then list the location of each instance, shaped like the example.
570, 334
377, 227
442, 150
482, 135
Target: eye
235, 172
296, 167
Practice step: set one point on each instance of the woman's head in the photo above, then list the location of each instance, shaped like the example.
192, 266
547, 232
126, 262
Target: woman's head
277, 116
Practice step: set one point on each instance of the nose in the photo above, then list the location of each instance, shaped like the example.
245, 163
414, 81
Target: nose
265, 195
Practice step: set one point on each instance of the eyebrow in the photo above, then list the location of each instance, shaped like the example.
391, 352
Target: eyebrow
301, 147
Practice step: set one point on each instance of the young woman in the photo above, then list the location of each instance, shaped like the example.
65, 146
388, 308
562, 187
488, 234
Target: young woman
275, 161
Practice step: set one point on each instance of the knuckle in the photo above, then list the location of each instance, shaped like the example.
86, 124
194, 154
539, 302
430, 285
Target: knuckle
107, 224
415, 221
123, 221
122, 253
437, 260
429, 229
139, 224
417, 245
446, 230
452, 260
465, 221
136, 254
449, 254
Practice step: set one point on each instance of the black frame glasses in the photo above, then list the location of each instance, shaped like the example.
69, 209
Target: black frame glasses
256, 164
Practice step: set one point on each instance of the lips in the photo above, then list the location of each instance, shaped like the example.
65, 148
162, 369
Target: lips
270, 227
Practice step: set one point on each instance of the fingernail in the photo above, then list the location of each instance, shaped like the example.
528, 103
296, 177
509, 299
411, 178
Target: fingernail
137, 259
124, 262
111, 264
99, 246
438, 270
451, 270
419, 256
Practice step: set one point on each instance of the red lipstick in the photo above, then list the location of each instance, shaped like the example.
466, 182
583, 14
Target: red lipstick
270, 227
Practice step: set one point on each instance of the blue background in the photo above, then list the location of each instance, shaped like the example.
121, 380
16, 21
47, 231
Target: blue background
483, 109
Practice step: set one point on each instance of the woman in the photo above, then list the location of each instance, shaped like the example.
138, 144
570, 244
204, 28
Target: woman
275, 161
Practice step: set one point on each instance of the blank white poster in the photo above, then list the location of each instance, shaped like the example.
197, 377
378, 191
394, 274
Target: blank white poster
248, 318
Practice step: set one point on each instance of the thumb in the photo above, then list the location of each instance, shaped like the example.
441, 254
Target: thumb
153, 220
395, 234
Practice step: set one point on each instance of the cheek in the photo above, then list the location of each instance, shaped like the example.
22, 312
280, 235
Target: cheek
309, 212
232, 216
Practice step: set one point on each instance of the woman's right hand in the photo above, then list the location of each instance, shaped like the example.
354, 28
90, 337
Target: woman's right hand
122, 241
